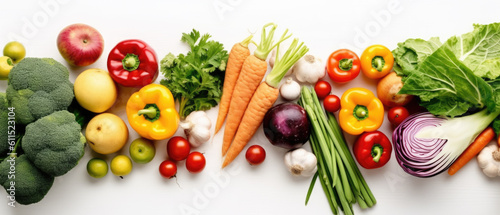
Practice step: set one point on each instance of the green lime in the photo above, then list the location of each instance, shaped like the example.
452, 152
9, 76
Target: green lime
97, 167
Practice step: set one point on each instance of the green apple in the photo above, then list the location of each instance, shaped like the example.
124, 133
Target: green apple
15, 50
97, 167
142, 150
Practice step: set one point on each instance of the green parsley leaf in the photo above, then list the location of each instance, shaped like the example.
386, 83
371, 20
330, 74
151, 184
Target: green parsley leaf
196, 78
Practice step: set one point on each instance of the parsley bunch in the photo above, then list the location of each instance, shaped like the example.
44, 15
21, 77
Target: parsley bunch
196, 79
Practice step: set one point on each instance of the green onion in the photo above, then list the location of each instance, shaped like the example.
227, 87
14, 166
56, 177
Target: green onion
342, 182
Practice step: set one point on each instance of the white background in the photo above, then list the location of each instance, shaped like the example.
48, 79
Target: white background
267, 189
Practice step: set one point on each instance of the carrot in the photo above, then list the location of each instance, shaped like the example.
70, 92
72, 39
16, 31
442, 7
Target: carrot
237, 56
474, 148
498, 140
251, 75
262, 100
253, 70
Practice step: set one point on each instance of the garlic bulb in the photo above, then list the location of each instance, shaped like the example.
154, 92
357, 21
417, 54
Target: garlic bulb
309, 69
301, 162
489, 160
197, 128
290, 90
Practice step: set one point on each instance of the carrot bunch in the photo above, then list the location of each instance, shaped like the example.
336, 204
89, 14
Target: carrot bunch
250, 98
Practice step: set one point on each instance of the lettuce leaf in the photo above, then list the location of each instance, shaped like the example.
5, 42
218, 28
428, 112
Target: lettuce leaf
479, 50
447, 87
460, 76
410, 53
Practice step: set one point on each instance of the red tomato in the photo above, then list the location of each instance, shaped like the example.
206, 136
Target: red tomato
322, 89
331, 103
255, 155
168, 169
397, 115
195, 162
178, 148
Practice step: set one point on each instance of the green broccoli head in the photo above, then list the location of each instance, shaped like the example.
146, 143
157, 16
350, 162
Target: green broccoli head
4, 146
54, 143
38, 87
31, 184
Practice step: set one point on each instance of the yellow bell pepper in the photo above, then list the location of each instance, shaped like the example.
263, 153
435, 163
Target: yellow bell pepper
361, 111
151, 112
6, 65
376, 61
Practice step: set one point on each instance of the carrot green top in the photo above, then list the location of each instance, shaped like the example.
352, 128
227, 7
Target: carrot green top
282, 65
267, 43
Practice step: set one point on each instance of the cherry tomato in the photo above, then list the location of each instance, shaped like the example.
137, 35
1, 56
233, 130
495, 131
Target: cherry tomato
331, 103
255, 155
168, 169
195, 162
178, 148
343, 65
397, 115
322, 89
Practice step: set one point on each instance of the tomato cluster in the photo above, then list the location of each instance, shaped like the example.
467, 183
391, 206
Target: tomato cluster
179, 149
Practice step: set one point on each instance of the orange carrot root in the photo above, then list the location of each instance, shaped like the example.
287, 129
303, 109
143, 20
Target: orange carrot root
261, 102
237, 56
250, 77
474, 148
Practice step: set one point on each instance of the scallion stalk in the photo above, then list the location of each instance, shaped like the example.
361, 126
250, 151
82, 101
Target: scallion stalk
342, 182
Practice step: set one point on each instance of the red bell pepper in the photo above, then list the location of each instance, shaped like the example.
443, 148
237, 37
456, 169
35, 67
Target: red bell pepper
133, 63
372, 149
343, 65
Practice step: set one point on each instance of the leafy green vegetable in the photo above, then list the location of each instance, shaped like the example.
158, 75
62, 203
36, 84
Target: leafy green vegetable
495, 84
196, 78
82, 115
479, 50
410, 53
451, 79
446, 86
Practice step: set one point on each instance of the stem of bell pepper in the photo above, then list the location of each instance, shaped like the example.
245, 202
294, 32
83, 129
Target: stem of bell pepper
345, 64
131, 62
378, 63
151, 112
377, 152
360, 112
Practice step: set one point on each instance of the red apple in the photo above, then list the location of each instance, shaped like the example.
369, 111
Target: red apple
80, 44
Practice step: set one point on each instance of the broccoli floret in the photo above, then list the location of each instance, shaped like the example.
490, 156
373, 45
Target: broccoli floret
4, 146
54, 143
31, 184
38, 87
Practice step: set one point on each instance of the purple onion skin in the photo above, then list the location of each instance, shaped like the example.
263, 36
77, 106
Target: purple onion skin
413, 154
286, 125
